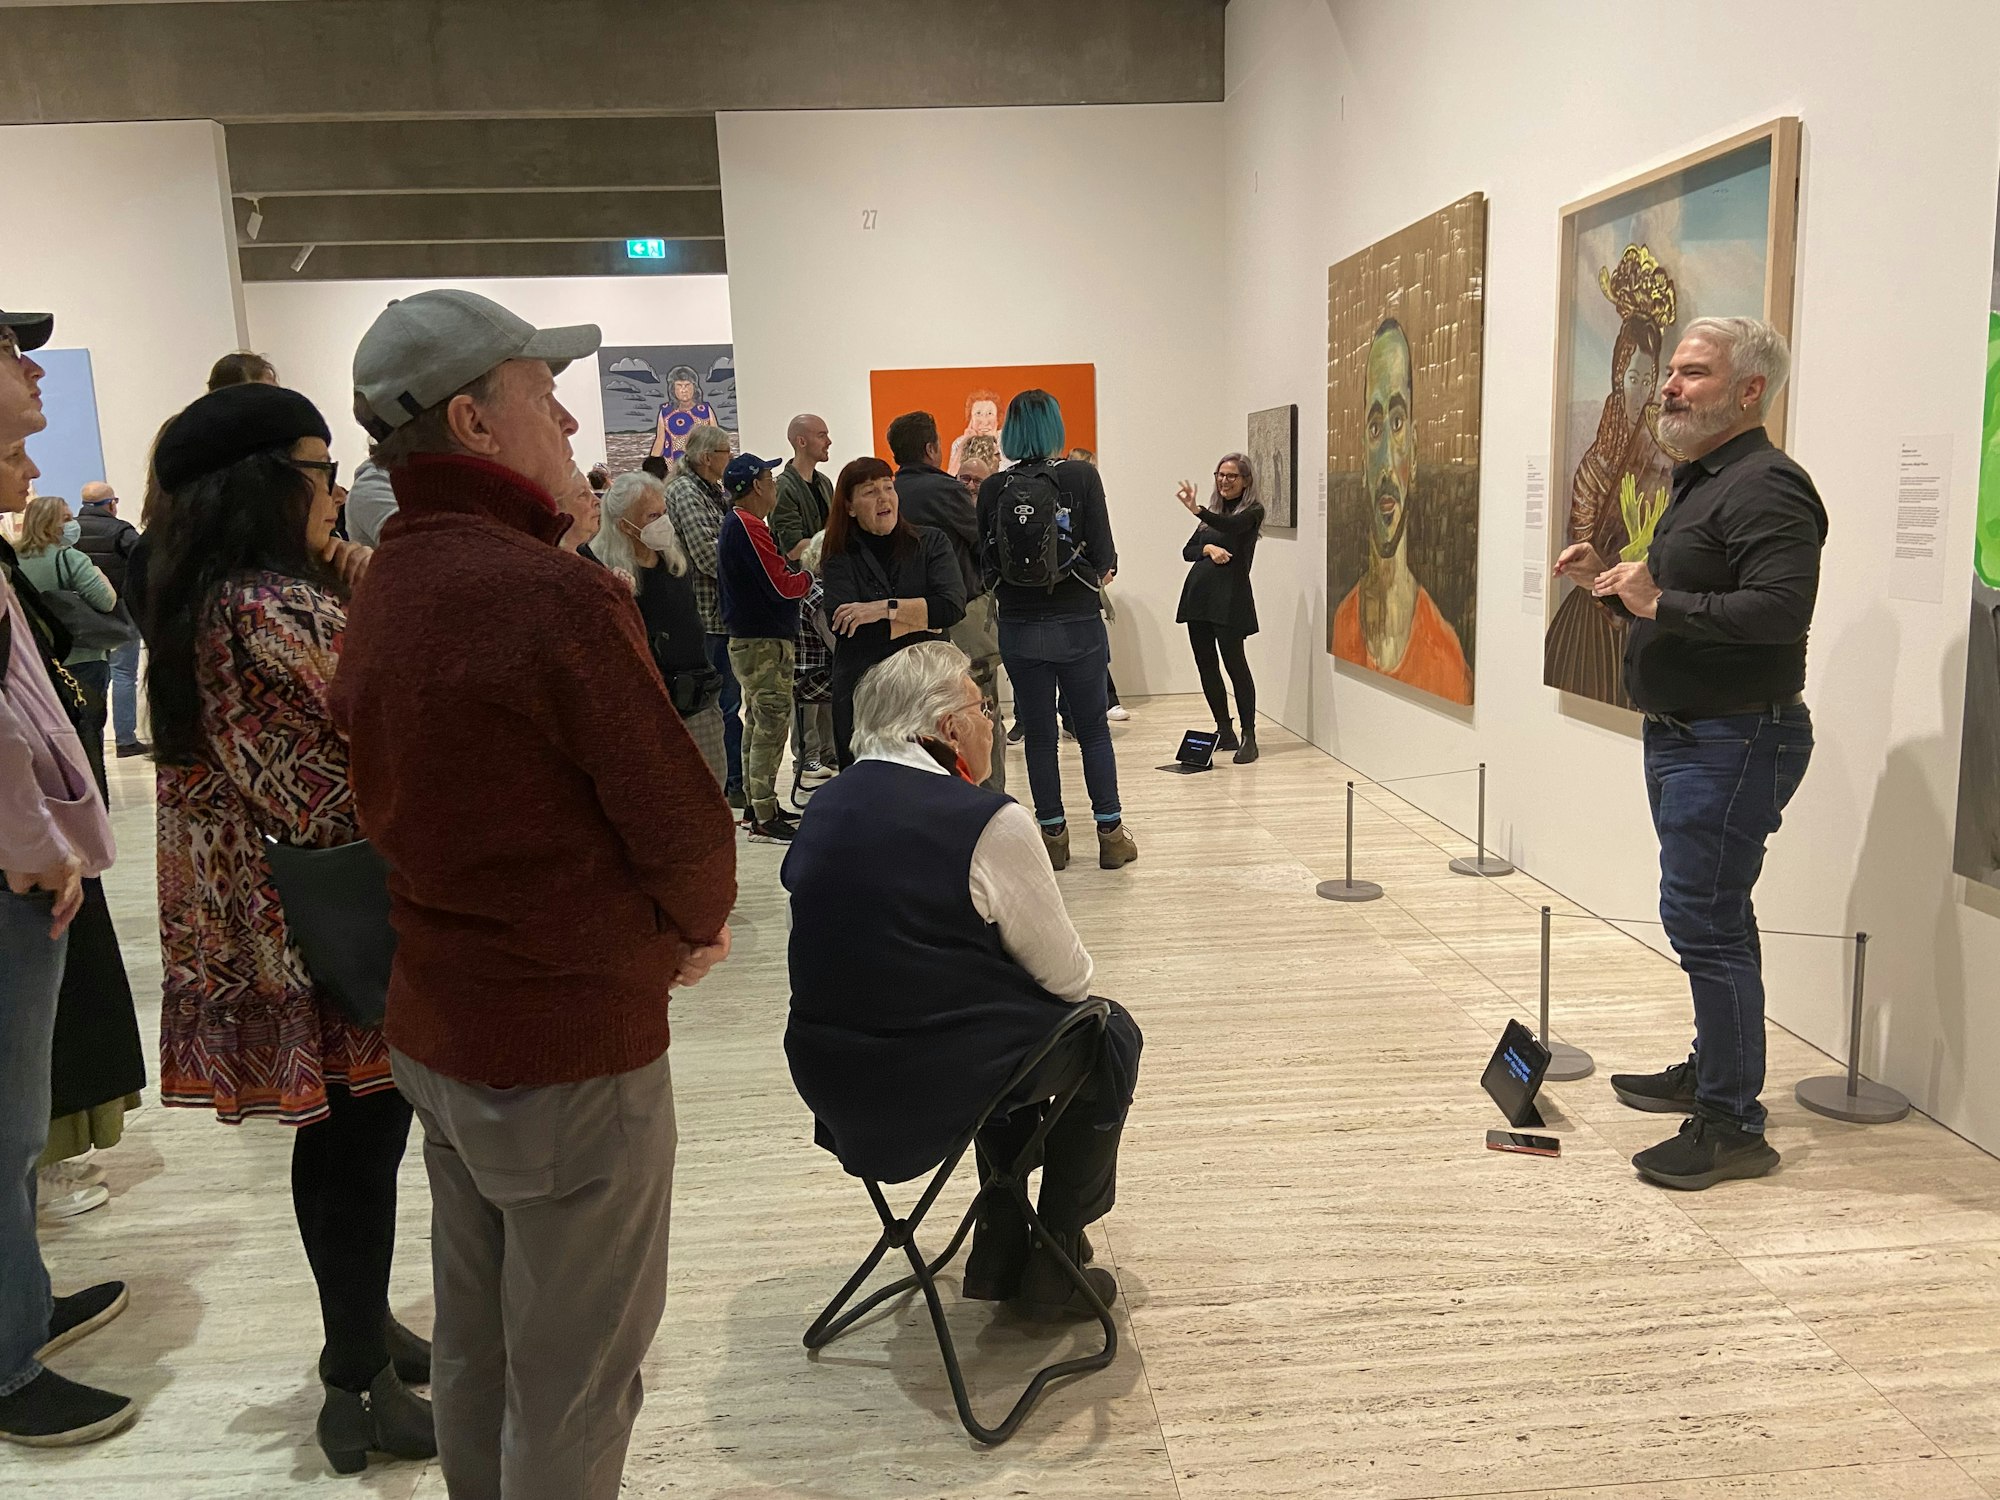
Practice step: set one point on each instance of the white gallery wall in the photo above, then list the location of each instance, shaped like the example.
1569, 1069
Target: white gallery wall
309, 330
1348, 119
1001, 236
124, 232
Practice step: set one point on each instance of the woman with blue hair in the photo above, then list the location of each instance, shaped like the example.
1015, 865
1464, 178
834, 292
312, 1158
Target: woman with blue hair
1048, 553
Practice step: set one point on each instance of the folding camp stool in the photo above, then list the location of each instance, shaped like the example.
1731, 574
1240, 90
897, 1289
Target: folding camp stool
1093, 1015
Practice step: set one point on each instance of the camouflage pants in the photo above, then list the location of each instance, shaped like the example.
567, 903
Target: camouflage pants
764, 670
978, 636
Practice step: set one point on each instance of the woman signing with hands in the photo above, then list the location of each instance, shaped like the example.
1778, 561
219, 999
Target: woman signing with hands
1217, 605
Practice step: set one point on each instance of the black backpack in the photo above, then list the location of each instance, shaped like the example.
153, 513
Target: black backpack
1030, 540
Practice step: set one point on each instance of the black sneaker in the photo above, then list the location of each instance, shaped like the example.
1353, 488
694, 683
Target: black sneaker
774, 830
1704, 1153
734, 795
1666, 1093
1047, 1294
50, 1412
81, 1313
1018, 733
136, 747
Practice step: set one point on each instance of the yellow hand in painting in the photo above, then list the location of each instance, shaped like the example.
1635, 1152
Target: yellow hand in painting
1641, 516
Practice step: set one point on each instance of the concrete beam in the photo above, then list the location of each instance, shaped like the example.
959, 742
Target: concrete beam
407, 218
470, 156
466, 261
409, 59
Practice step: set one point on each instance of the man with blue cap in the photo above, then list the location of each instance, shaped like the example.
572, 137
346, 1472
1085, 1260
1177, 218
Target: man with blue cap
760, 610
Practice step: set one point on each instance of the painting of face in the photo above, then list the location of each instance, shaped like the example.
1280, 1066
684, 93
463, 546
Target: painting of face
969, 405
1390, 455
655, 395
1405, 333
1707, 236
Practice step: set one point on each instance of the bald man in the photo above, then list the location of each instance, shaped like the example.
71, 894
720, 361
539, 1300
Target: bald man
108, 541
804, 494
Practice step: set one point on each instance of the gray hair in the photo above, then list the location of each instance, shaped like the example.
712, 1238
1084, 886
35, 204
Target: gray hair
1754, 347
901, 700
613, 547
703, 441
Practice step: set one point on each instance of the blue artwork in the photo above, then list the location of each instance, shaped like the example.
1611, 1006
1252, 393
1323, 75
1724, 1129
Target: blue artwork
654, 396
69, 451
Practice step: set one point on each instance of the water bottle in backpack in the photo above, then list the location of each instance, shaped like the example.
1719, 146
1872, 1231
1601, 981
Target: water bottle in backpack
1031, 525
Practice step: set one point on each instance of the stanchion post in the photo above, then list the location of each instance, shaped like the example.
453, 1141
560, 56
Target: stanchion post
1851, 1097
1485, 864
1566, 1063
1349, 889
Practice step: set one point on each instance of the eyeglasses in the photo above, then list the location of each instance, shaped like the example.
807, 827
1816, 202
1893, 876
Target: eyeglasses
329, 467
1222, 474
979, 708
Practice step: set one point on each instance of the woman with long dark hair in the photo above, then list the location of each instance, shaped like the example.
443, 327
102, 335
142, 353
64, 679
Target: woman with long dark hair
1217, 606
246, 613
887, 584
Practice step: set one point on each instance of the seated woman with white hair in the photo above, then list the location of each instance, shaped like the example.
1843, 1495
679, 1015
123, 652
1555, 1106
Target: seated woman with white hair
930, 953
636, 540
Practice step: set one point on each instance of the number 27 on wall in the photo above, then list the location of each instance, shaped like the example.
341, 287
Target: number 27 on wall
867, 218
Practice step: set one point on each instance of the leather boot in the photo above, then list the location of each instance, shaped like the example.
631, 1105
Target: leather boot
999, 1253
409, 1354
1047, 1293
1115, 848
1248, 752
1225, 736
1058, 846
385, 1418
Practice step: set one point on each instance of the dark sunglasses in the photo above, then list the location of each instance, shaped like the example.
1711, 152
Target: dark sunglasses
330, 467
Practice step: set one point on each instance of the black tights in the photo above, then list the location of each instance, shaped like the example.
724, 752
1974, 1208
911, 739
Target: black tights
1205, 639
344, 1192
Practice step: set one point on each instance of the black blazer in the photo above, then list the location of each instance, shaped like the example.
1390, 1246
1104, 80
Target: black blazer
928, 571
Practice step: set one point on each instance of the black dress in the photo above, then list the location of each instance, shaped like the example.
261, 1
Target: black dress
1219, 594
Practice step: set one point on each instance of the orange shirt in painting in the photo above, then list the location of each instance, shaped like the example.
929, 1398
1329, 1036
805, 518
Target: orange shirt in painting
1433, 661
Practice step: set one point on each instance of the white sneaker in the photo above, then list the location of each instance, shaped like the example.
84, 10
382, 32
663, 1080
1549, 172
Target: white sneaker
814, 776
61, 1193
1116, 713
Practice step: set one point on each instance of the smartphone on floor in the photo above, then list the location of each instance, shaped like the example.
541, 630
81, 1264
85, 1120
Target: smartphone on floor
1527, 1145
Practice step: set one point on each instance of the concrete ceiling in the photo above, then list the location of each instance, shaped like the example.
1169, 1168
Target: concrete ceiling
423, 138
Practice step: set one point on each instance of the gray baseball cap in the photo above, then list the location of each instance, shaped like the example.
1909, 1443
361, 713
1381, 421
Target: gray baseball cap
423, 348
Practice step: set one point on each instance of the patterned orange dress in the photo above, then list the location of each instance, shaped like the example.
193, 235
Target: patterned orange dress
242, 1029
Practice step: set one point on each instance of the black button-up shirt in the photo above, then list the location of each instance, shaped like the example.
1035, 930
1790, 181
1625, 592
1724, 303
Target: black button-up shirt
1736, 557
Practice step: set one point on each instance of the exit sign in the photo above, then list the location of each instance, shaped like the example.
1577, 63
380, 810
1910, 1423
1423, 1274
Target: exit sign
645, 249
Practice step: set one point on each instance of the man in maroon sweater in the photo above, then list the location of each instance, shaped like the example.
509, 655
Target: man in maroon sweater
560, 859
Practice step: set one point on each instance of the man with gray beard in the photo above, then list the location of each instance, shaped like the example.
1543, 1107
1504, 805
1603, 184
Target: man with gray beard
1716, 660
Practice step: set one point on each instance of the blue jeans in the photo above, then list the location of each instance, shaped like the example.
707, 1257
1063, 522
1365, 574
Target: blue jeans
125, 694
31, 967
1718, 789
1073, 655
732, 708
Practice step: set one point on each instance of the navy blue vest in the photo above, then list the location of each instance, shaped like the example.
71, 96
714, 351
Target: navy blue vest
908, 1015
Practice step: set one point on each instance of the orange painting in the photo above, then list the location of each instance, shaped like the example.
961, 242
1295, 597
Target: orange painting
970, 402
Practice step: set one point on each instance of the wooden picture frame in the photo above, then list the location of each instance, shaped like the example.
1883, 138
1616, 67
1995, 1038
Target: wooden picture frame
1647, 197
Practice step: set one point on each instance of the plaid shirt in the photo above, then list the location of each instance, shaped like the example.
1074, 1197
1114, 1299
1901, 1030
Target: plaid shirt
697, 509
812, 673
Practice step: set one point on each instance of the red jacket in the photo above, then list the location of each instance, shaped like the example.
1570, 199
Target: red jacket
552, 831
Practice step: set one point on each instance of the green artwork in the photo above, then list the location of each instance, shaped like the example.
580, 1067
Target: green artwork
1976, 845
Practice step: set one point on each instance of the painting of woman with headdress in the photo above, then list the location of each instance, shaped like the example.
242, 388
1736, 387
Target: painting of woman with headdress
685, 409
1622, 483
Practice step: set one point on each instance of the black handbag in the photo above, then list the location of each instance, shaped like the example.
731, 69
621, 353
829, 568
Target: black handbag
90, 628
336, 904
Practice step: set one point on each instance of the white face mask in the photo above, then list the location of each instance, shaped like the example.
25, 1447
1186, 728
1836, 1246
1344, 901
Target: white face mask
657, 534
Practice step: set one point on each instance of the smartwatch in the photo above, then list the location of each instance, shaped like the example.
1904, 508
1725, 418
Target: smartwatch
893, 604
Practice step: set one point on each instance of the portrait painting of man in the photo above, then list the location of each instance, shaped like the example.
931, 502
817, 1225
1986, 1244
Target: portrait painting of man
1404, 335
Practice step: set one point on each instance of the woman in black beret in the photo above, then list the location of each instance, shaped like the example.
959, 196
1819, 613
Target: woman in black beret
245, 615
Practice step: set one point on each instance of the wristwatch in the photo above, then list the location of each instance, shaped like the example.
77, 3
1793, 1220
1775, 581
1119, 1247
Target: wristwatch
893, 603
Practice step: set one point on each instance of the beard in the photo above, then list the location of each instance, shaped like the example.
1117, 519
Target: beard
1691, 427
1385, 547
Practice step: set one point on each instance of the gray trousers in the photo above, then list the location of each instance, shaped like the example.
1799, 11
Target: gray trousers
978, 636
549, 1214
